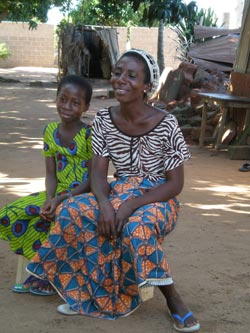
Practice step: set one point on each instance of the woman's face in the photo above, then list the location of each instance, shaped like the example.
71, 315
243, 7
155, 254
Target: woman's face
128, 79
70, 102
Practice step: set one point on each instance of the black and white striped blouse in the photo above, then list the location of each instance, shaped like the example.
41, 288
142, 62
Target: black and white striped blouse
149, 155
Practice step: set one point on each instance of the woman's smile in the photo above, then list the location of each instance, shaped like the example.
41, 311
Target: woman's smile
121, 91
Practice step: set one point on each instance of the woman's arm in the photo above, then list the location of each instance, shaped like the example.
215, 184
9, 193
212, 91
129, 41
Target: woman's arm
163, 192
98, 178
100, 188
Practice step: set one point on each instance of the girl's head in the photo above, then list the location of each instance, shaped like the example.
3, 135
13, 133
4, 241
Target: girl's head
73, 97
78, 81
136, 64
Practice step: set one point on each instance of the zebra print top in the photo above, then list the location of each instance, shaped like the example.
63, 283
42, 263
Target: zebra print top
149, 155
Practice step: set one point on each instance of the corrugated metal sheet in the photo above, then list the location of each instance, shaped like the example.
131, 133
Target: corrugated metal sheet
219, 49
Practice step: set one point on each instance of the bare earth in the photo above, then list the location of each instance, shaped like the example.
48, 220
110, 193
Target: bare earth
209, 251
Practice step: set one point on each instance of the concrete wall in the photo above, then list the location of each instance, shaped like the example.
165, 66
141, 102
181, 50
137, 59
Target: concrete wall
28, 47
36, 47
146, 39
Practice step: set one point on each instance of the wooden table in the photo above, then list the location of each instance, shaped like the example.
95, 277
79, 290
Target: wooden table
226, 101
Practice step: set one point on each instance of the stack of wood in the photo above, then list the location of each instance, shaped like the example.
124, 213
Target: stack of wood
177, 93
212, 59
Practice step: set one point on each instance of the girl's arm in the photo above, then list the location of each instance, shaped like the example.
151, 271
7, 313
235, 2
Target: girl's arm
85, 186
50, 179
49, 208
50, 186
100, 188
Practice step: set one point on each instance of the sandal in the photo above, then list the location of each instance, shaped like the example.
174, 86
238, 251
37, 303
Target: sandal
19, 287
66, 309
44, 288
182, 320
245, 167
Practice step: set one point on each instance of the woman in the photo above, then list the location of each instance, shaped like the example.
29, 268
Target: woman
107, 244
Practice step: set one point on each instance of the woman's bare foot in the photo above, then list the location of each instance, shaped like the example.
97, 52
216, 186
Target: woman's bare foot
178, 309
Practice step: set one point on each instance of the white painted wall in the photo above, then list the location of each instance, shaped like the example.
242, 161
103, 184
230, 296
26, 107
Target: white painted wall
222, 8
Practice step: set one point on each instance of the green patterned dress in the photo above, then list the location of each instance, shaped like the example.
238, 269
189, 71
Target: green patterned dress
20, 223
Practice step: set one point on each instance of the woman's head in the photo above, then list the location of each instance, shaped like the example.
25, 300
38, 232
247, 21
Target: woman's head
151, 67
73, 98
146, 68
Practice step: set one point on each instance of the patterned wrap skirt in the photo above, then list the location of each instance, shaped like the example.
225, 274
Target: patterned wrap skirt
22, 226
100, 277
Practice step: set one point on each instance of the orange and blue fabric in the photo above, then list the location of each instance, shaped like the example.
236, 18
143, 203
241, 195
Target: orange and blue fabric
101, 277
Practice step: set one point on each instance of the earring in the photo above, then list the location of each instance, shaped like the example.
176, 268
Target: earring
145, 91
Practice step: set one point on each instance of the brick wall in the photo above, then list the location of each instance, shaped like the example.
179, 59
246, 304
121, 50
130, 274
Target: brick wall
28, 47
36, 47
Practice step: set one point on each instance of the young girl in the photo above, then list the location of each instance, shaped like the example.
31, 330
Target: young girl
26, 222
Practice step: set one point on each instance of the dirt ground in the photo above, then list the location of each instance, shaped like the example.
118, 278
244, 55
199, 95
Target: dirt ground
209, 250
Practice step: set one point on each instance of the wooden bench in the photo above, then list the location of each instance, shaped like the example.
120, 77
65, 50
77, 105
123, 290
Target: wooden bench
226, 102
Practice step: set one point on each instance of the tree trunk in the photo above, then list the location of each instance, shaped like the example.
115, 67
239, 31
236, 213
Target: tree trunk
160, 46
83, 12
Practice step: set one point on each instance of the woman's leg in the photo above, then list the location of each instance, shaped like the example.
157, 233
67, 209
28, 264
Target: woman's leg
141, 241
143, 236
177, 306
84, 268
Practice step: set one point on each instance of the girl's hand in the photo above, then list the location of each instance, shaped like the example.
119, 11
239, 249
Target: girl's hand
123, 214
45, 208
48, 209
106, 221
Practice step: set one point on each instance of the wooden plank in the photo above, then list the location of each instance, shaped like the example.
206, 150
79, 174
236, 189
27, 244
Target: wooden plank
242, 59
201, 31
220, 49
240, 84
209, 65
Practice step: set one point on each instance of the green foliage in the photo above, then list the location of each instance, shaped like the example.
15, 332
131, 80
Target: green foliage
185, 29
104, 13
31, 11
170, 11
4, 51
207, 17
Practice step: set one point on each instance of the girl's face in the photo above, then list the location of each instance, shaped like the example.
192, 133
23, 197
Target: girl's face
128, 79
70, 102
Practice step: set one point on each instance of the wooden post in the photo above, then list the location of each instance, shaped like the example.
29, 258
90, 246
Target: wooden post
203, 124
242, 58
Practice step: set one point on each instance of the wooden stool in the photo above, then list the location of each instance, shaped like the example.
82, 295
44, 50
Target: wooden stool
147, 293
21, 273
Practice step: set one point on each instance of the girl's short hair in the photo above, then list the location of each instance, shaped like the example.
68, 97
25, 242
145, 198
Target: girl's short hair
78, 81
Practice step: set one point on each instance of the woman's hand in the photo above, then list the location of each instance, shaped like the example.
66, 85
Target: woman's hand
106, 225
123, 214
